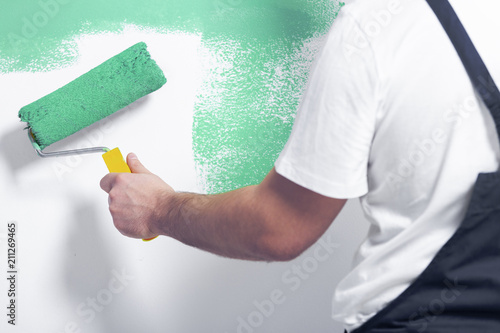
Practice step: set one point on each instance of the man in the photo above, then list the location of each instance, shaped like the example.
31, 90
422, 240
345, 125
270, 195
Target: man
389, 116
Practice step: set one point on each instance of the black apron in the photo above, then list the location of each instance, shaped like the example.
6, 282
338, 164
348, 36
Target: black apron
459, 292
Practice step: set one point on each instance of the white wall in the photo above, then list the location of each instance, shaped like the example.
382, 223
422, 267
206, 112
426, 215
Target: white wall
70, 253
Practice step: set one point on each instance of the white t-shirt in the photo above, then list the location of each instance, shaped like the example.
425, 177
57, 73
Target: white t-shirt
390, 115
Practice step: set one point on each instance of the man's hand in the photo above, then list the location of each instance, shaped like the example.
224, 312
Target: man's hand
136, 200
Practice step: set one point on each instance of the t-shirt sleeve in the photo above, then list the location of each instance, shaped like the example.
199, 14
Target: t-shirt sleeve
329, 147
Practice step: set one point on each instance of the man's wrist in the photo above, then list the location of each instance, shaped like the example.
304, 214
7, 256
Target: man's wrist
159, 226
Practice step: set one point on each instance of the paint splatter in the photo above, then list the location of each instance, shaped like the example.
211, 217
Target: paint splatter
259, 54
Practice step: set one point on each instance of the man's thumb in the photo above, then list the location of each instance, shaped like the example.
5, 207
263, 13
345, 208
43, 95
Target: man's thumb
135, 165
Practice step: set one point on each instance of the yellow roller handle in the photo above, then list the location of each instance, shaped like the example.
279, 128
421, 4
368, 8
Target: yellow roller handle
116, 163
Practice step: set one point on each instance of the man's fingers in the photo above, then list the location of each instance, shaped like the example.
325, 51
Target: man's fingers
108, 181
135, 165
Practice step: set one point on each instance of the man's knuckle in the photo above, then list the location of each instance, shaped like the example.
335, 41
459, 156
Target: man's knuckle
121, 179
113, 196
113, 209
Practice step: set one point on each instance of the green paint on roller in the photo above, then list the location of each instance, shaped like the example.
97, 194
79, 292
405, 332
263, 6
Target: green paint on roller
93, 96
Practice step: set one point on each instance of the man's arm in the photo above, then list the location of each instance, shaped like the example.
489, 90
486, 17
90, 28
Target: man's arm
274, 221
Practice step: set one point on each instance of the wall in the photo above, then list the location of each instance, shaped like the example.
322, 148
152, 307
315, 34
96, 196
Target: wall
235, 70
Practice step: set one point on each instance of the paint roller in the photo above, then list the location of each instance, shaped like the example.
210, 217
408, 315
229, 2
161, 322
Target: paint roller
107, 88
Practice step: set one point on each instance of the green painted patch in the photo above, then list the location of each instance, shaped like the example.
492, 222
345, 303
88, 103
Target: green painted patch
245, 109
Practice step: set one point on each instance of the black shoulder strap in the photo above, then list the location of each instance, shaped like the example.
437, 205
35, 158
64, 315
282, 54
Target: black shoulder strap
478, 73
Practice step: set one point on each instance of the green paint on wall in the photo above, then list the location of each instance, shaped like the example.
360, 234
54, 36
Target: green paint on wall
245, 109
